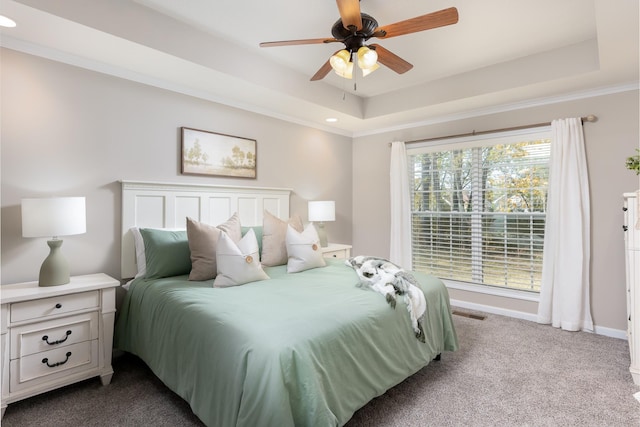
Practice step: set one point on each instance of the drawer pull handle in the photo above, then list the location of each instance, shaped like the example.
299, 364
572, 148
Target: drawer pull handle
45, 360
58, 305
46, 339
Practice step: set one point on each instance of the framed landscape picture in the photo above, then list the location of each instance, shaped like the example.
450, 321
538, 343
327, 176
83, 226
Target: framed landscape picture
216, 154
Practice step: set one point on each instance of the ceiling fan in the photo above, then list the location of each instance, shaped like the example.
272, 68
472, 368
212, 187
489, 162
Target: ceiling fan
355, 28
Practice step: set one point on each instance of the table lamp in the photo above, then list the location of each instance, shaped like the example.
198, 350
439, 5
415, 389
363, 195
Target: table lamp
53, 217
320, 212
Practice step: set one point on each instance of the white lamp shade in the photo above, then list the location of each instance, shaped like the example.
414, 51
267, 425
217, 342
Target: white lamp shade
53, 217
322, 211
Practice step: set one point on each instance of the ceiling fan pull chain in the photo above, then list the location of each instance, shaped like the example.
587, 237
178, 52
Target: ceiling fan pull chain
354, 61
344, 89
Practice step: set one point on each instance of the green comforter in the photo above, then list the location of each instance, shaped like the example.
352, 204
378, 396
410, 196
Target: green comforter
303, 349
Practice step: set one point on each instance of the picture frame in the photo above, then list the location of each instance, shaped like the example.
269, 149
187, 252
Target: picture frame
217, 154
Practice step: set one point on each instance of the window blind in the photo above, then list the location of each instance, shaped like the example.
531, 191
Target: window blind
478, 210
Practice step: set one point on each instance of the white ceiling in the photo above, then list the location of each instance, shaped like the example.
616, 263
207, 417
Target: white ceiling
501, 54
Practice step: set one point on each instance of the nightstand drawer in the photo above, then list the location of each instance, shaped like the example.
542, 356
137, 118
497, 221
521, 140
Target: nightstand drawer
43, 336
42, 308
53, 364
336, 250
340, 253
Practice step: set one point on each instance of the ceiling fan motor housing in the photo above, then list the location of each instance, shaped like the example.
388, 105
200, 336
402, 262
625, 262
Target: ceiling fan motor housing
352, 38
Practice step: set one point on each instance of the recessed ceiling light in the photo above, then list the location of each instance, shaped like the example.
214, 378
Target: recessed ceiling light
331, 120
6, 22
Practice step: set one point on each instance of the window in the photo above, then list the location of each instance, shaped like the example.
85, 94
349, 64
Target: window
479, 207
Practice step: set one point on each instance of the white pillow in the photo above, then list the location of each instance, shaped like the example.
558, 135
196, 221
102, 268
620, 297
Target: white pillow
141, 260
141, 256
238, 264
303, 249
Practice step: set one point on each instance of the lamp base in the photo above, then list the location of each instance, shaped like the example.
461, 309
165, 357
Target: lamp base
55, 269
322, 234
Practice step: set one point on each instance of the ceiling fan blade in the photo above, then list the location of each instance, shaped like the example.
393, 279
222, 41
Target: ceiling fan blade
297, 42
350, 13
391, 60
322, 72
437, 19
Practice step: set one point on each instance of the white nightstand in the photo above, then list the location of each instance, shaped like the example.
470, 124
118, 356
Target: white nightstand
57, 335
337, 250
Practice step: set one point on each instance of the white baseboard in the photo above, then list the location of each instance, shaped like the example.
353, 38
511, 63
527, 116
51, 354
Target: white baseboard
600, 330
610, 332
494, 310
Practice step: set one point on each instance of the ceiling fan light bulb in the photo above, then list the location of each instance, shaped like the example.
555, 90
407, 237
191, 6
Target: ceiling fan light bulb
367, 58
347, 73
339, 62
367, 71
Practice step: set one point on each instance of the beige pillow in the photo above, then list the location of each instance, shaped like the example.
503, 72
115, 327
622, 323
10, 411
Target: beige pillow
238, 263
304, 250
274, 234
203, 239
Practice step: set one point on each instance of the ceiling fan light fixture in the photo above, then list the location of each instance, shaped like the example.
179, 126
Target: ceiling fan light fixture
340, 61
367, 71
367, 58
347, 73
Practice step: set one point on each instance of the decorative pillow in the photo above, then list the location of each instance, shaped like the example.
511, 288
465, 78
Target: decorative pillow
166, 252
274, 233
304, 250
203, 239
141, 262
238, 264
258, 231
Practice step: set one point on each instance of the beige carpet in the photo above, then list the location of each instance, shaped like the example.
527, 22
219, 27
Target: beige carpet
507, 372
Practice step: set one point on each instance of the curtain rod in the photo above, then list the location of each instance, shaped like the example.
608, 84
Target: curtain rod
589, 118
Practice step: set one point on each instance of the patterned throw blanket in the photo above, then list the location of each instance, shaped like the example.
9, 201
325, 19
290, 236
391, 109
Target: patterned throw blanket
393, 282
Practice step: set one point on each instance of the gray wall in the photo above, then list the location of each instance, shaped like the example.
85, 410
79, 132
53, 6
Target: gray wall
609, 142
67, 131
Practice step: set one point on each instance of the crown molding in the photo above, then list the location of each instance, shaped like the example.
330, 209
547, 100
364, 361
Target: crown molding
502, 108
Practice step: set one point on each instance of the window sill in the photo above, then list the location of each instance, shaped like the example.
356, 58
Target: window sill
492, 290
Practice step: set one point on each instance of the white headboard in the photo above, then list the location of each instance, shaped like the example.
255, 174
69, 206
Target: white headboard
166, 205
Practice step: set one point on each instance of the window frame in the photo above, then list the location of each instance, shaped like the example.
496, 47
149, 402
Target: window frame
471, 141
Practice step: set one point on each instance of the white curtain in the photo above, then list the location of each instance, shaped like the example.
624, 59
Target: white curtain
400, 250
564, 294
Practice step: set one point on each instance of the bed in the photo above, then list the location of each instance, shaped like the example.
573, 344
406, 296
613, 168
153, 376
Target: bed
297, 349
